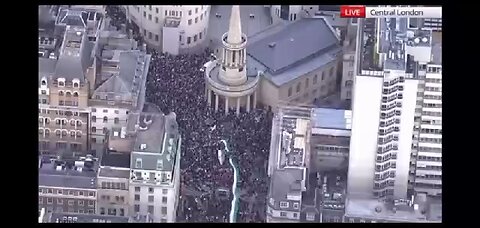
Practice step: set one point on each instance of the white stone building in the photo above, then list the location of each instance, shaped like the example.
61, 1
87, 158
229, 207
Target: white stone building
171, 28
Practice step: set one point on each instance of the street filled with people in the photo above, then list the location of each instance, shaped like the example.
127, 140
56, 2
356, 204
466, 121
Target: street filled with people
176, 84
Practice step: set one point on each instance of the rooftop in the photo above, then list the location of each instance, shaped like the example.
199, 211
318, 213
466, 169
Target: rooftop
369, 208
72, 17
295, 42
332, 118
157, 139
115, 173
291, 155
116, 159
68, 174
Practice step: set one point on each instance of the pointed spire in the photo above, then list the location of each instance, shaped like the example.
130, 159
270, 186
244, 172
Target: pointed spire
235, 29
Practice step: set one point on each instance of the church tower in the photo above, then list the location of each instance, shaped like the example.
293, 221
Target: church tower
233, 70
228, 83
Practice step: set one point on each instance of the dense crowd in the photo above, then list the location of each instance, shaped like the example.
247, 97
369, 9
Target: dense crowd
176, 84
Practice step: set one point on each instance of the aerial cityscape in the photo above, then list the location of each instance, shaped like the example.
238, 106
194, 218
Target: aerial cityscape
238, 114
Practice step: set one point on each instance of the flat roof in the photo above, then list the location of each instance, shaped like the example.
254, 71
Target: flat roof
332, 118
116, 159
371, 208
152, 136
115, 173
68, 177
295, 42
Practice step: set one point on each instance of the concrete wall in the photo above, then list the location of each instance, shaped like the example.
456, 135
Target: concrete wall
366, 105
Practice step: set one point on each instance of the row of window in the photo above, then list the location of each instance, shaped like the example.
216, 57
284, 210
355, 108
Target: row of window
59, 132
120, 199
429, 158
151, 198
45, 146
112, 211
431, 131
429, 149
433, 89
151, 210
58, 112
62, 84
285, 204
113, 185
116, 120
60, 201
72, 210
104, 130
67, 103
431, 140
307, 82
67, 93
195, 38
426, 113
46, 120
106, 111
152, 190
433, 80
65, 192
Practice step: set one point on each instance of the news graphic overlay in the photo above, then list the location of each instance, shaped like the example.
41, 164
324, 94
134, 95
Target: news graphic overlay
359, 11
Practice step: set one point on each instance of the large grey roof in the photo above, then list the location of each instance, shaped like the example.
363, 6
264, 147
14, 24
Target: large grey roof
116, 159
283, 182
295, 42
131, 77
71, 179
70, 67
161, 140
46, 67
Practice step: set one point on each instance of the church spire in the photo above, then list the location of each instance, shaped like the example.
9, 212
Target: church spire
235, 29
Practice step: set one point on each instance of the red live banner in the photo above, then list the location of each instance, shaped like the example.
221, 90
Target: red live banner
352, 11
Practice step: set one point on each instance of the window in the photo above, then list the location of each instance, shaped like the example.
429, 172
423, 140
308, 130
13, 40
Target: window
136, 208
80, 203
150, 199
295, 205
156, 10
307, 82
44, 82
195, 38
149, 17
44, 101
102, 211
44, 92
72, 134
116, 120
196, 10
164, 199
189, 40
70, 202
189, 21
200, 36
164, 210
156, 37
144, 32
122, 212
166, 13
138, 163
61, 84
59, 201
49, 200
190, 12
295, 215
156, 20
144, 14
290, 91
298, 87
137, 189
196, 20
60, 93
150, 35
201, 16
150, 209
283, 214
105, 119
150, 190
283, 204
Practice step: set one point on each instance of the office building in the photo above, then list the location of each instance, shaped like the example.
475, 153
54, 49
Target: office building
393, 161
119, 83
154, 166
288, 163
174, 29
113, 184
68, 185
67, 38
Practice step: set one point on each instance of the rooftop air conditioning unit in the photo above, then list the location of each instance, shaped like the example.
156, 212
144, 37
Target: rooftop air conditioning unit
143, 146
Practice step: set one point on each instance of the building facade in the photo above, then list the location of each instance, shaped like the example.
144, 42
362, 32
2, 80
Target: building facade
171, 28
63, 92
388, 110
112, 184
349, 48
154, 166
288, 163
67, 185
